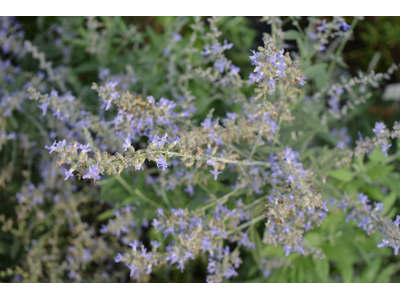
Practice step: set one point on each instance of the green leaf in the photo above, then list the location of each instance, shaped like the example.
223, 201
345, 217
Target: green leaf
346, 271
392, 181
4, 248
342, 174
105, 215
385, 274
374, 192
15, 247
371, 272
378, 171
314, 238
377, 156
322, 269
317, 73
292, 35
255, 238
388, 202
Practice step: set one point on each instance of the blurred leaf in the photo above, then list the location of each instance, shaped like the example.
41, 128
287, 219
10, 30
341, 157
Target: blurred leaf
370, 273
4, 248
255, 238
322, 269
346, 271
388, 202
292, 35
342, 174
386, 273
106, 215
375, 172
15, 247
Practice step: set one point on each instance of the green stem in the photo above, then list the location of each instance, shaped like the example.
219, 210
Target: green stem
244, 225
207, 190
37, 125
221, 200
165, 197
257, 201
136, 192
296, 23
339, 51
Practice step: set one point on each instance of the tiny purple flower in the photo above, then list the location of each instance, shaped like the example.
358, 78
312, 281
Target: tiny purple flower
68, 174
215, 173
379, 127
161, 162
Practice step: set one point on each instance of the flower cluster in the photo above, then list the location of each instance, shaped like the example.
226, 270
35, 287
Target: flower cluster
191, 234
369, 218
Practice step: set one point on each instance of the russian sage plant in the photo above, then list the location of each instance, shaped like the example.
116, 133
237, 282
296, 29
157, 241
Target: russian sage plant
142, 172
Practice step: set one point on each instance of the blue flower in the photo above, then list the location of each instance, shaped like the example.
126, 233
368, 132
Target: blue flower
301, 78
364, 221
84, 148
155, 244
206, 50
119, 258
229, 272
379, 206
68, 174
220, 65
127, 143
232, 116
245, 241
272, 83
132, 268
344, 26
341, 145
176, 37
215, 173
53, 93
379, 127
166, 52
104, 73
363, 198
190, 190
212, 161
385, 148
397, 222
254, 58
234, 69
160, 141
228, 46
144, 255
206, 244
111, 85
384, 243
93, 172
188, 255
290, 155
134, 245
52, 147
162, 163
160, 212
324, 205
114, 95
350, 216
43, 107
323, 26
106, 104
